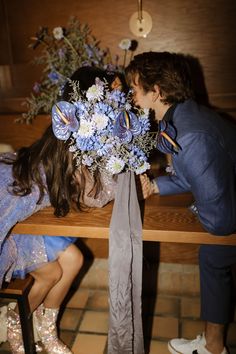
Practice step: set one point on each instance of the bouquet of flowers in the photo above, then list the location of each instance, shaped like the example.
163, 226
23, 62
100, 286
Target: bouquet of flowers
103, 129
63, 50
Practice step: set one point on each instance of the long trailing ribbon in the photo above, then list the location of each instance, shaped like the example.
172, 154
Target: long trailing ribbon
125, 334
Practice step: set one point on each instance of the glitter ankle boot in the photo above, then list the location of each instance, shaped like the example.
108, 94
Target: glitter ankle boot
47, 331
14, 333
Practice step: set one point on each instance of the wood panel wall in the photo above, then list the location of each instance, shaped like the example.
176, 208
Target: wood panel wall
204, 29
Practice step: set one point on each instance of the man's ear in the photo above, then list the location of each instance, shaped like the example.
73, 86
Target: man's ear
156, 93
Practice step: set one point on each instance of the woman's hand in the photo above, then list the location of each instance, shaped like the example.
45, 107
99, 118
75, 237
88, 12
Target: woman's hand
146, 187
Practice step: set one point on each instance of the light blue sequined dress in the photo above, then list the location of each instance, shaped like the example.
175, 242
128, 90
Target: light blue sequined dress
20, 254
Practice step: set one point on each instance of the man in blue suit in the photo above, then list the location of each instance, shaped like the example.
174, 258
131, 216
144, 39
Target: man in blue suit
203, 148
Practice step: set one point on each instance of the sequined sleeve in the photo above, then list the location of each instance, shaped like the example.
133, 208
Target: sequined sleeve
105, 195
15, 208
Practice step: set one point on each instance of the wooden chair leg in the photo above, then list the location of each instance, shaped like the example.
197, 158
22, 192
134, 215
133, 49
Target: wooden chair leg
26, 324
18, 289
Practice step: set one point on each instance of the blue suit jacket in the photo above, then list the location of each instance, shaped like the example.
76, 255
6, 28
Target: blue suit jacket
205, 166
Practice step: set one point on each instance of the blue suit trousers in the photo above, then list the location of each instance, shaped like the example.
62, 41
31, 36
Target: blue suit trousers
216, 282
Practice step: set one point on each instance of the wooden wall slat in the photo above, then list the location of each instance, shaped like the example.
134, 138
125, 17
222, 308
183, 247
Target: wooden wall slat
204, 29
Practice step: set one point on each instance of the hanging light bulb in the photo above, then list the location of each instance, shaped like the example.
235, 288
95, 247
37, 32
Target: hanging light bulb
140, 22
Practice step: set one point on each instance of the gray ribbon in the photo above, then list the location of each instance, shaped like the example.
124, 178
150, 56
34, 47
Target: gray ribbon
125, 334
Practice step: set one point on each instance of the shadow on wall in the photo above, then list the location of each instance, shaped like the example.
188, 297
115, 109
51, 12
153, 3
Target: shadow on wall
198, 80
199, 87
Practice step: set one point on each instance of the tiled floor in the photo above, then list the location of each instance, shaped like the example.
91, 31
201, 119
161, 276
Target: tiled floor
84, 322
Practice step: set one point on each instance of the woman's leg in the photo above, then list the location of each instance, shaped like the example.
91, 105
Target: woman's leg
45, 278
70, 261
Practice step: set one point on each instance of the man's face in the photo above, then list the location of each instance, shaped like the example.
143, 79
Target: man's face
141, 98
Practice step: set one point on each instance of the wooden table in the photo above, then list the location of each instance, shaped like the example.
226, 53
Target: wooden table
165, 219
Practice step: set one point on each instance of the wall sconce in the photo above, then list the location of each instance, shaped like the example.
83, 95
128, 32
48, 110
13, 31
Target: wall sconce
140, 22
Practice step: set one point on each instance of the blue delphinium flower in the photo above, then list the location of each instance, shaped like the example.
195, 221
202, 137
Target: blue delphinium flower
61, 53
36, 87
144, 122
54, 77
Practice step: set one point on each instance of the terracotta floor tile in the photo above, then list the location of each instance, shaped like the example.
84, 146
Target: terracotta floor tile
190, 284
232, 334
79, 299
190, 307
4, 347
170, 283
190, 328
158, 347
96, 322
97, 275
67, 337
167, 306
98, 301
89, 344
165, 327
172, 313
70, 319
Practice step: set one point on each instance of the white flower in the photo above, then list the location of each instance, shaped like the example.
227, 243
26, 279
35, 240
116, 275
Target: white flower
72, 148
87, 160
141, 169
146, 111
100, 120
125, 44
115, 165
86, 129
94, 92
58, 33
128, 106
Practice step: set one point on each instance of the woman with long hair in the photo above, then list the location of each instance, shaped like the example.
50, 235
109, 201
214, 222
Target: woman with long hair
37, 176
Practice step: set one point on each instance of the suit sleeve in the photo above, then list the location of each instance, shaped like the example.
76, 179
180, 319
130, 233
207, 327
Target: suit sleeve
209, 171
170, 185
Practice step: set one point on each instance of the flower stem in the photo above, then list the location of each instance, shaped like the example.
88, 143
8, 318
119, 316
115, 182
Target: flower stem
70, 45
125, 55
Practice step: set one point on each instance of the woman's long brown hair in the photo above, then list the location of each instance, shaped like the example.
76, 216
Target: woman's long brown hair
51, 157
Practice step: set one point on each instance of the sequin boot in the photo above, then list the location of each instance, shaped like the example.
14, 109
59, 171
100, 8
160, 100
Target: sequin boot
14, 333
47, 331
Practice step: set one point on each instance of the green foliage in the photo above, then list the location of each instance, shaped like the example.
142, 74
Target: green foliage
63, 50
